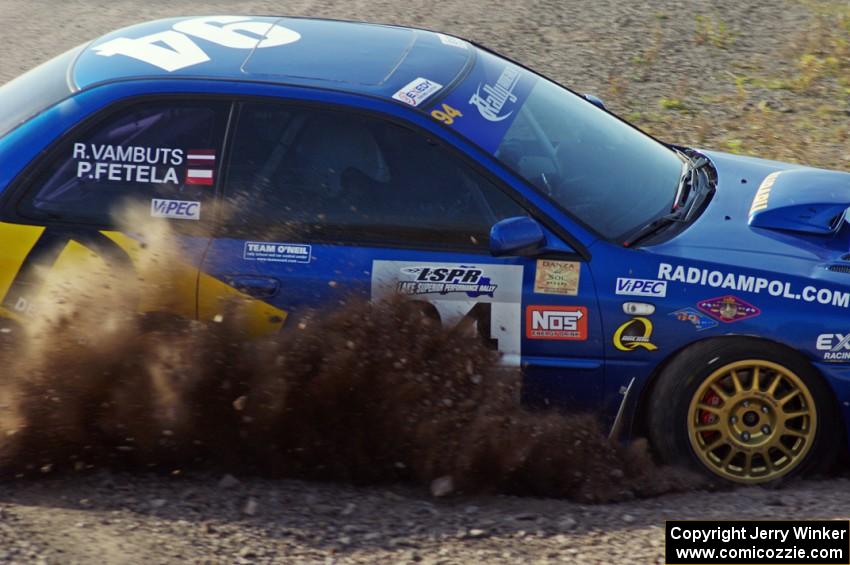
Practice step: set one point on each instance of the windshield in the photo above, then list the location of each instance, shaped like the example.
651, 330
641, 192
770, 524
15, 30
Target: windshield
604, 172
35, 91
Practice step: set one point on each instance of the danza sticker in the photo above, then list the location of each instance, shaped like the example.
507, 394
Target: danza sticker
557, 277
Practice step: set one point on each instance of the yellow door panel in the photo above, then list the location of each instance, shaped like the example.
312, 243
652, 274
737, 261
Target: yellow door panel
16, 241
169, 283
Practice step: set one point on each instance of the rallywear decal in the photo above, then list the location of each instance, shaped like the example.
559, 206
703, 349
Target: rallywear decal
492, 99
277, 252
483, 297
835, 347
116, 163
557, 277
728, 309
174, 49
633, 334
749, 283
641, 287
417, 91
763, 193
698, 319
556, 322
175, 209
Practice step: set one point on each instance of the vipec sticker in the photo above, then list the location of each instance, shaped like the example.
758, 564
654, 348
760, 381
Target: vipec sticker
277, 252
641, 287
175, 209
698, 319
417, 91
728, 309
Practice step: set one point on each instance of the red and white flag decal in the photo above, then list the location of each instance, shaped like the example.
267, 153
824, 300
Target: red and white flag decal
201, 166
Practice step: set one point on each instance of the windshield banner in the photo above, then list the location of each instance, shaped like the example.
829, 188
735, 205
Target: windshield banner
485, 105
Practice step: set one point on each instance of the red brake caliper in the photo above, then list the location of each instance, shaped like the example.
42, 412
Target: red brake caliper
705, 417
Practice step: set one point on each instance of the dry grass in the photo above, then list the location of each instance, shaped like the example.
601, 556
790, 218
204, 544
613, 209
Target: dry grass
801, 115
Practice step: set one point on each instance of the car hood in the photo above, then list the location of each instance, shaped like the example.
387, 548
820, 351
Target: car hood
779, 216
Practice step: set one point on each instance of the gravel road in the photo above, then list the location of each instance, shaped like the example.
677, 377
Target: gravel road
138, 517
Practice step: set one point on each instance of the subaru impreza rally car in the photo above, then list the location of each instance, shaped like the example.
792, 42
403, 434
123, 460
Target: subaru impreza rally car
700, 298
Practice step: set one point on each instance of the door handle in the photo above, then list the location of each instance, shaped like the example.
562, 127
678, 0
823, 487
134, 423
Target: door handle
253, 285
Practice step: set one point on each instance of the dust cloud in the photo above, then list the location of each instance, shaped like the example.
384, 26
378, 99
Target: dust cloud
365, 392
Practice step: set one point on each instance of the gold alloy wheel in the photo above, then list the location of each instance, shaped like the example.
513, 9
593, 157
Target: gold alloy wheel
752, 421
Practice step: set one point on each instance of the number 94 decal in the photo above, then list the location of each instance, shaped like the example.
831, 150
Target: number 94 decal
446, 114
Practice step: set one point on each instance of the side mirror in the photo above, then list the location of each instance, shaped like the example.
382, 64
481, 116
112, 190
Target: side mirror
516, 236
596, 101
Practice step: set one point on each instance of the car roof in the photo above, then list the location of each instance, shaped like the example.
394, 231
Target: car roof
373, 59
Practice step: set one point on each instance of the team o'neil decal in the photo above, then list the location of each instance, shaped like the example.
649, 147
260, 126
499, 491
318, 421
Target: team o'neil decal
176, 49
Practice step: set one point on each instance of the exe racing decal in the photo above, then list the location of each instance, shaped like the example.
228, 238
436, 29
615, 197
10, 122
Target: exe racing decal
417, 91
557, 277
633, 334
728, 309
175, 209
556, 322
483, 297
174, 49
699, 320
835, 347
277, 252
641, 287
749, 283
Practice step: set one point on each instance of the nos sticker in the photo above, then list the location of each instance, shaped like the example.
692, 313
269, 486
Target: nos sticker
277, 252
556, 322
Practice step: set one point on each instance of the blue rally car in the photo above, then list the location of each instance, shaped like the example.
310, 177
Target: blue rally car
698, 298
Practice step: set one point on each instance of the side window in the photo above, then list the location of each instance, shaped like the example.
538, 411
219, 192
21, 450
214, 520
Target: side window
161, 155
335, 175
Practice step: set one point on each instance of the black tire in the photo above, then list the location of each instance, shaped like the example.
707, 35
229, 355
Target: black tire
669, 417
